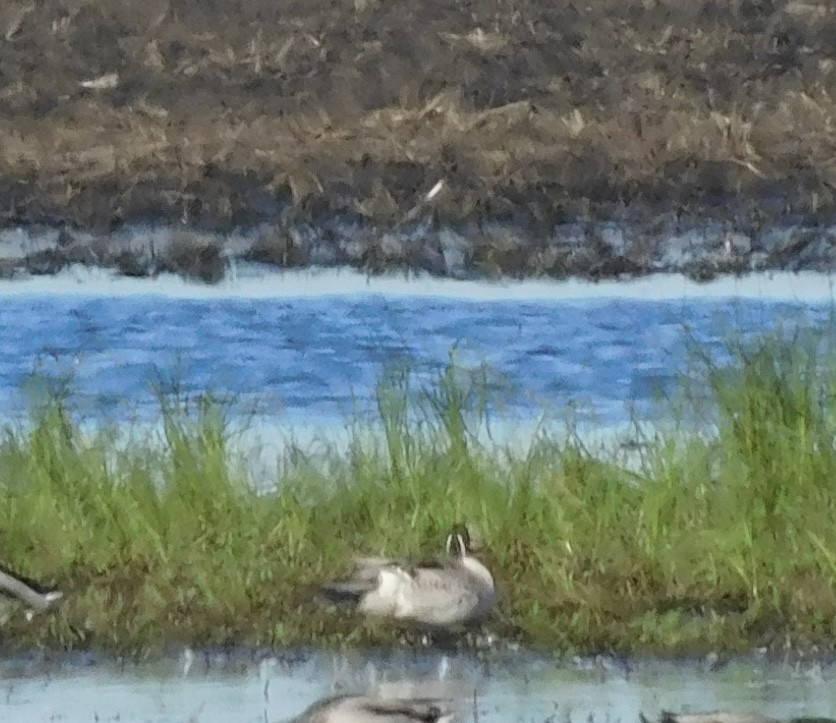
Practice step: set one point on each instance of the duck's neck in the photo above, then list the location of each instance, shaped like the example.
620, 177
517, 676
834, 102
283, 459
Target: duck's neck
477, 569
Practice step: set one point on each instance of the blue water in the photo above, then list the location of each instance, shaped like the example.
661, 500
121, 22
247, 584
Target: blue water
318, 358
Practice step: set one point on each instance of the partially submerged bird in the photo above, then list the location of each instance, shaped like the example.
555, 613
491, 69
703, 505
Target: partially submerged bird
437, 594
369, 709
15, 590
725, 717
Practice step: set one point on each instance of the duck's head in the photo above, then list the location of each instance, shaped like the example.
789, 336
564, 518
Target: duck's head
458, 541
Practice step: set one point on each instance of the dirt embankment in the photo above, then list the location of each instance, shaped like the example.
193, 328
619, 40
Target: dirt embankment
213, 115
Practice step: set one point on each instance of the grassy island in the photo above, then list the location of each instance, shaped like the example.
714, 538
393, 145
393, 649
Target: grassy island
720, 537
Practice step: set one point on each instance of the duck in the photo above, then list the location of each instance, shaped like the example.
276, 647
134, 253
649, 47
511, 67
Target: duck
354, 708
14, 588
439, 594
726, 717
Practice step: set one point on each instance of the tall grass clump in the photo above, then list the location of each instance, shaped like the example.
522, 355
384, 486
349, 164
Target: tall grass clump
716, 537
742, 513
776, 414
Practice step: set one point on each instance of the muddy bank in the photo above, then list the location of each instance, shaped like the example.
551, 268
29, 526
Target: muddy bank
315, 116
582, 249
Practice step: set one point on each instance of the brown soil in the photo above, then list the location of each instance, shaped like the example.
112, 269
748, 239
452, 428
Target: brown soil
225, 113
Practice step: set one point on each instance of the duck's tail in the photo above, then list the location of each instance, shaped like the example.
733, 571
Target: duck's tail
344, 592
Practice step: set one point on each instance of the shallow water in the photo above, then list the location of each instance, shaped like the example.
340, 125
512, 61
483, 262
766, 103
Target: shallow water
510, 687
311, 347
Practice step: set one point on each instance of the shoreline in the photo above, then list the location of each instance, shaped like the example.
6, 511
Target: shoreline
586, 250
257, 281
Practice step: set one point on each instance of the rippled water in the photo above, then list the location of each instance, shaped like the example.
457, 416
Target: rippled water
508, 688
312, 347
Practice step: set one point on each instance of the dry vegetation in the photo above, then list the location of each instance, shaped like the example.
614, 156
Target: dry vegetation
237, 111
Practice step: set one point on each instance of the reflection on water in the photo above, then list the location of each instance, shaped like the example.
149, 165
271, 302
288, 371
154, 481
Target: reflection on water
517, 686
363, 708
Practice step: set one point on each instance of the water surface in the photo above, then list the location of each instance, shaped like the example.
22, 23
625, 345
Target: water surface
311, 347
513, 687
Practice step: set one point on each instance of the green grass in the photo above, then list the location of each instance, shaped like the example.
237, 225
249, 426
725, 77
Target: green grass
721, 538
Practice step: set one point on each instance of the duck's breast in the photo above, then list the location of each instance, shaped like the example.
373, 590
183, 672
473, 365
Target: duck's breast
384, 599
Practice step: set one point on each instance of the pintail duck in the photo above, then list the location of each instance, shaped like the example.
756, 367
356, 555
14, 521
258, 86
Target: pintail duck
725, 717
13, 588
367, 709
438, 594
